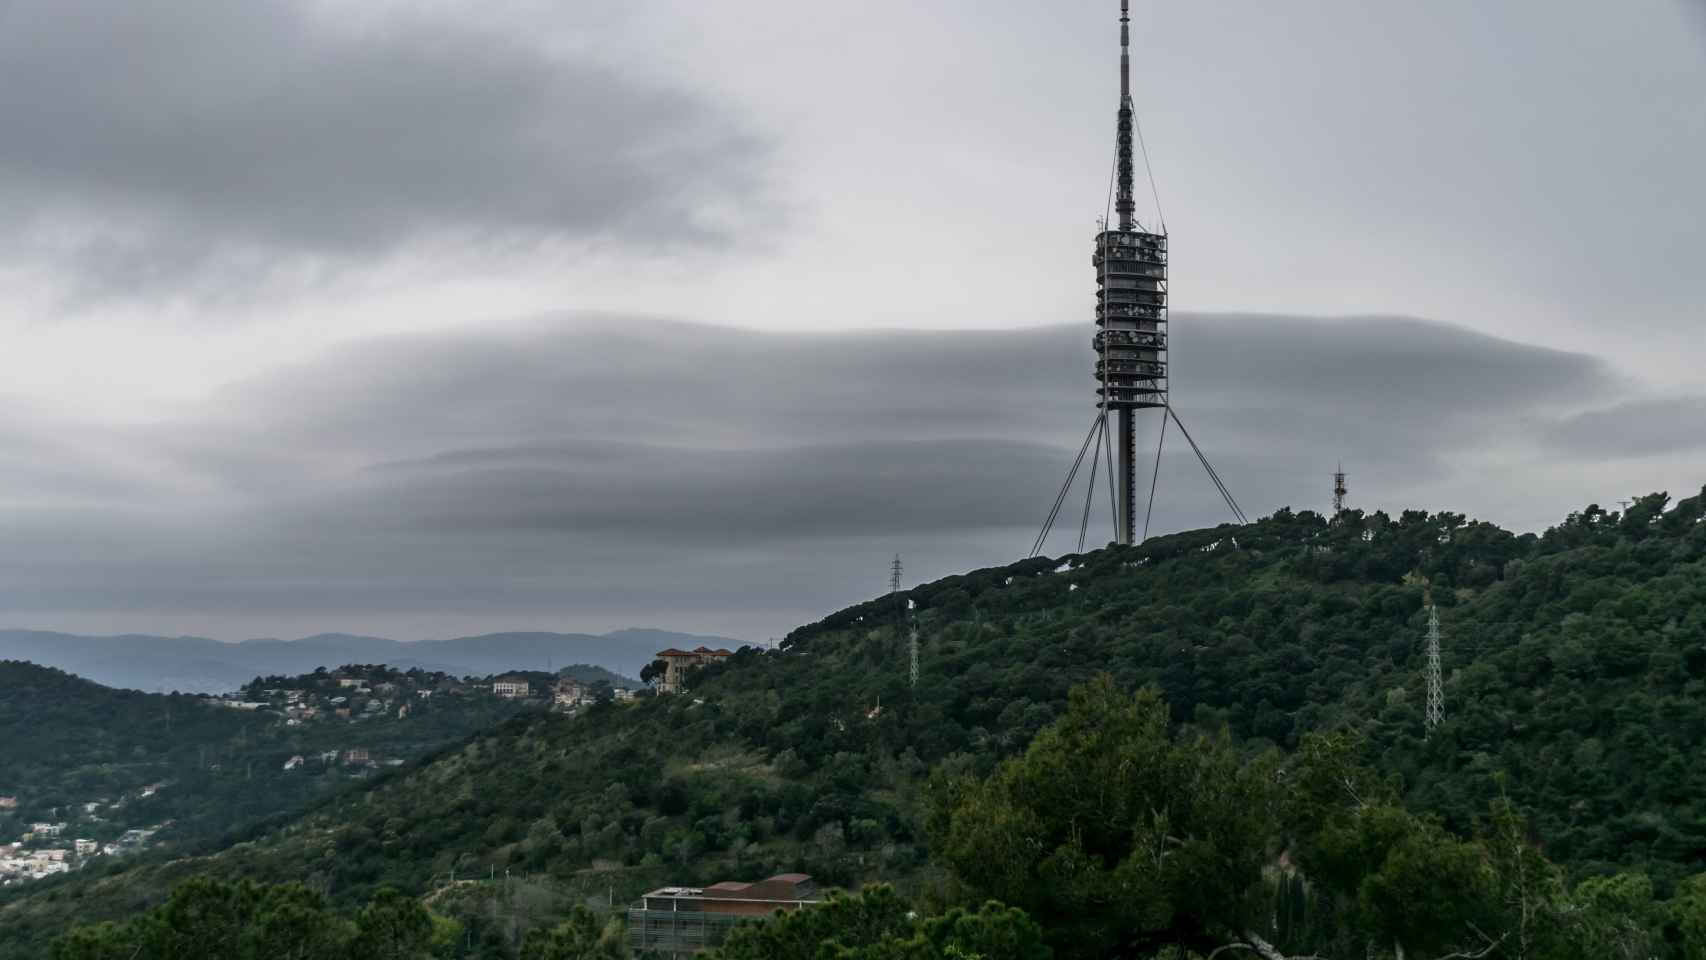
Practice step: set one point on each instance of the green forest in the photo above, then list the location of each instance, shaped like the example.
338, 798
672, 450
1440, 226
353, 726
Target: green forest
106, 761
1210, 741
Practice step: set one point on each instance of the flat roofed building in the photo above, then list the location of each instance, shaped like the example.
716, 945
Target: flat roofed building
676, 922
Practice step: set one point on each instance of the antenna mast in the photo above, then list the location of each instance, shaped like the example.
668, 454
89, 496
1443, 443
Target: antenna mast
1339, 491
1436, 688
1123, 200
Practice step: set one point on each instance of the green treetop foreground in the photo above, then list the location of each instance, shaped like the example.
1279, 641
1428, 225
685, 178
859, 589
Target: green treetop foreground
1112, 836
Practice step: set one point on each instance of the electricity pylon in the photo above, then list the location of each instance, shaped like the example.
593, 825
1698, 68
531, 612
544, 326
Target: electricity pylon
913, 643
1436, 687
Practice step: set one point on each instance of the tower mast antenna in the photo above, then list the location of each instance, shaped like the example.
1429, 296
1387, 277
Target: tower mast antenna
1123, 201
1339, 491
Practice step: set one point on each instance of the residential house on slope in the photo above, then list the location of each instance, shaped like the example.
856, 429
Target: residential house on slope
679, 662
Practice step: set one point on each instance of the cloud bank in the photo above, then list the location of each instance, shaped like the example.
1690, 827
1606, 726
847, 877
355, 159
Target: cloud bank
582, 472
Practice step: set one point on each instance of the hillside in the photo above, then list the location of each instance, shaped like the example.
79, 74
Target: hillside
197, 664
139, 771
1576, 663
60, 728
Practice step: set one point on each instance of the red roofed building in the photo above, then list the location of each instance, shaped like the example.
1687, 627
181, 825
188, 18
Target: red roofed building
681, 661
675, 922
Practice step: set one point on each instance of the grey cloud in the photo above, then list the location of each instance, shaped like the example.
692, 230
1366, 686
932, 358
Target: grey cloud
638, 470
1636, 428
147, 142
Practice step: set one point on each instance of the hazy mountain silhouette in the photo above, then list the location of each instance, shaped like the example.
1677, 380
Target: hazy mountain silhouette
141, 662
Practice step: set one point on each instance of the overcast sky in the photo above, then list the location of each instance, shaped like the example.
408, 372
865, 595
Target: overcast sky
437, 317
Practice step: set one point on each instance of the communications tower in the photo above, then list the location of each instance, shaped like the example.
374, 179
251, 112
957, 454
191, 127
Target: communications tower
1131, 310
1130, 342
1339, 490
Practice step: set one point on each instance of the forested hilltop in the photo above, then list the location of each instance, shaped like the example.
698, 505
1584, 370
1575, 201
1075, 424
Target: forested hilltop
1575, 664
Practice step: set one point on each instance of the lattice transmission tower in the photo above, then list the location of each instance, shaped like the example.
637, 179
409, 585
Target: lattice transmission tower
1339, 490
1436, 686
912, 621
912, 644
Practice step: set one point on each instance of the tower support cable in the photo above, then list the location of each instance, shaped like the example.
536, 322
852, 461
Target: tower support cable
1154, 476
1060, 498
1225, 494
1090, 490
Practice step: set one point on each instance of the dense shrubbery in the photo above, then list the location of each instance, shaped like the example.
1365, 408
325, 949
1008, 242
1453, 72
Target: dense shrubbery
1116, 836
242, 921
1124, 839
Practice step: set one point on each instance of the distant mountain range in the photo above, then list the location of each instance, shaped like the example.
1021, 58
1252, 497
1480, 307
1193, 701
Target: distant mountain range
197, 664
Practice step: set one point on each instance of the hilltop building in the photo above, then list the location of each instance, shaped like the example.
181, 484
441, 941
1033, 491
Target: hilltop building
570, 694
511, 688
677, 922
681, 661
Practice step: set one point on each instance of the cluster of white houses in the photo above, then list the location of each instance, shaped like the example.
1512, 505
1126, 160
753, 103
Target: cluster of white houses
45, 850
566, 694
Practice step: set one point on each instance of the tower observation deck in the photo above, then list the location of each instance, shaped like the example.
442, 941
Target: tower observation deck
1131, 319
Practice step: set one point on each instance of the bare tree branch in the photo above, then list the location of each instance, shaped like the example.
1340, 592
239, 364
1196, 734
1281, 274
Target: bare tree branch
1476, 954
